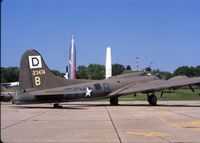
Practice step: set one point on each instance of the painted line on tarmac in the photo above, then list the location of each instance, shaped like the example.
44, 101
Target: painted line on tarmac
193, 125
187, 125
196, 122
170, 123
21, 121
113, 124
160, 135
149, 134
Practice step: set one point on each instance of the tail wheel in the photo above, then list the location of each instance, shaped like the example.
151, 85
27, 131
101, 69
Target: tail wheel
114, 100
152, 99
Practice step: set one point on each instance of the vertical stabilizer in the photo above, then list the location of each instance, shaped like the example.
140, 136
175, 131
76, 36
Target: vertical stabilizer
35, 74
108, 63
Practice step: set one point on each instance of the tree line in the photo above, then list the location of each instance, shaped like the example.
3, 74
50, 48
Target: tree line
188, 71
97, 71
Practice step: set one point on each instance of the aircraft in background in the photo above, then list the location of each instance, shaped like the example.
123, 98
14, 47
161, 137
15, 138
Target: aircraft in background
10, 84
6, 94
39, 85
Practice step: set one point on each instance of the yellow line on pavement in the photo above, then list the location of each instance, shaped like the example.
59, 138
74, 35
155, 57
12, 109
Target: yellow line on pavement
172, 124
196, 122
149, 134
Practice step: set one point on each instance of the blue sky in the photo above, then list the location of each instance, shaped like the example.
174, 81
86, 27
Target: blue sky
165, 32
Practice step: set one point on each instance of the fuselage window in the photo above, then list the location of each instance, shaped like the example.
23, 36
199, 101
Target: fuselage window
97, 86
106, 88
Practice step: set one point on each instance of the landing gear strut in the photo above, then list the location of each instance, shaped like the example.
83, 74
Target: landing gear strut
114, 100
56, 105
152, 99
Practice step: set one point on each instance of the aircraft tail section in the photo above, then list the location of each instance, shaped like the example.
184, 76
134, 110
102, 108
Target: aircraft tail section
34, 73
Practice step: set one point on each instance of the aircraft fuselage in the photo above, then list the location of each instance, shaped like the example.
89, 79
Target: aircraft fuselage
84, 91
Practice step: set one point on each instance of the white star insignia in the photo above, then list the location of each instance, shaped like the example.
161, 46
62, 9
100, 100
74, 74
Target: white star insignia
88, 92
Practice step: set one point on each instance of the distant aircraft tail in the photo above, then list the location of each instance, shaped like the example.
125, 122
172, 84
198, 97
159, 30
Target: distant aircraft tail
34, 73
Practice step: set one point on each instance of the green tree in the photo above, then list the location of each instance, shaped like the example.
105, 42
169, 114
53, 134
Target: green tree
167, 75
3, 78
117, 69
128, 67
186, 70
82, 72
57, 73
10, 74
198, 70
148, 69
96, 71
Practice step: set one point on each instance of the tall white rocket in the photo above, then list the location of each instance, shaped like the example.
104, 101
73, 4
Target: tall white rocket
72, 60
108, 63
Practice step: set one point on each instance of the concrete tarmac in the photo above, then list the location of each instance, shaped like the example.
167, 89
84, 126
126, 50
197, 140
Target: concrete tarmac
98, 122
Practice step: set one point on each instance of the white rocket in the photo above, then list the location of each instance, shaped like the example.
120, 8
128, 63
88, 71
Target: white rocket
108, 63
72, 60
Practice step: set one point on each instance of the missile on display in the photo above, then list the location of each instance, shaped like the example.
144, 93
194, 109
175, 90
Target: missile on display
108, 63
72, 60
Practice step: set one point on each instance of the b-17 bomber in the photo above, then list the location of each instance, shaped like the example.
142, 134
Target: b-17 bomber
39, 85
